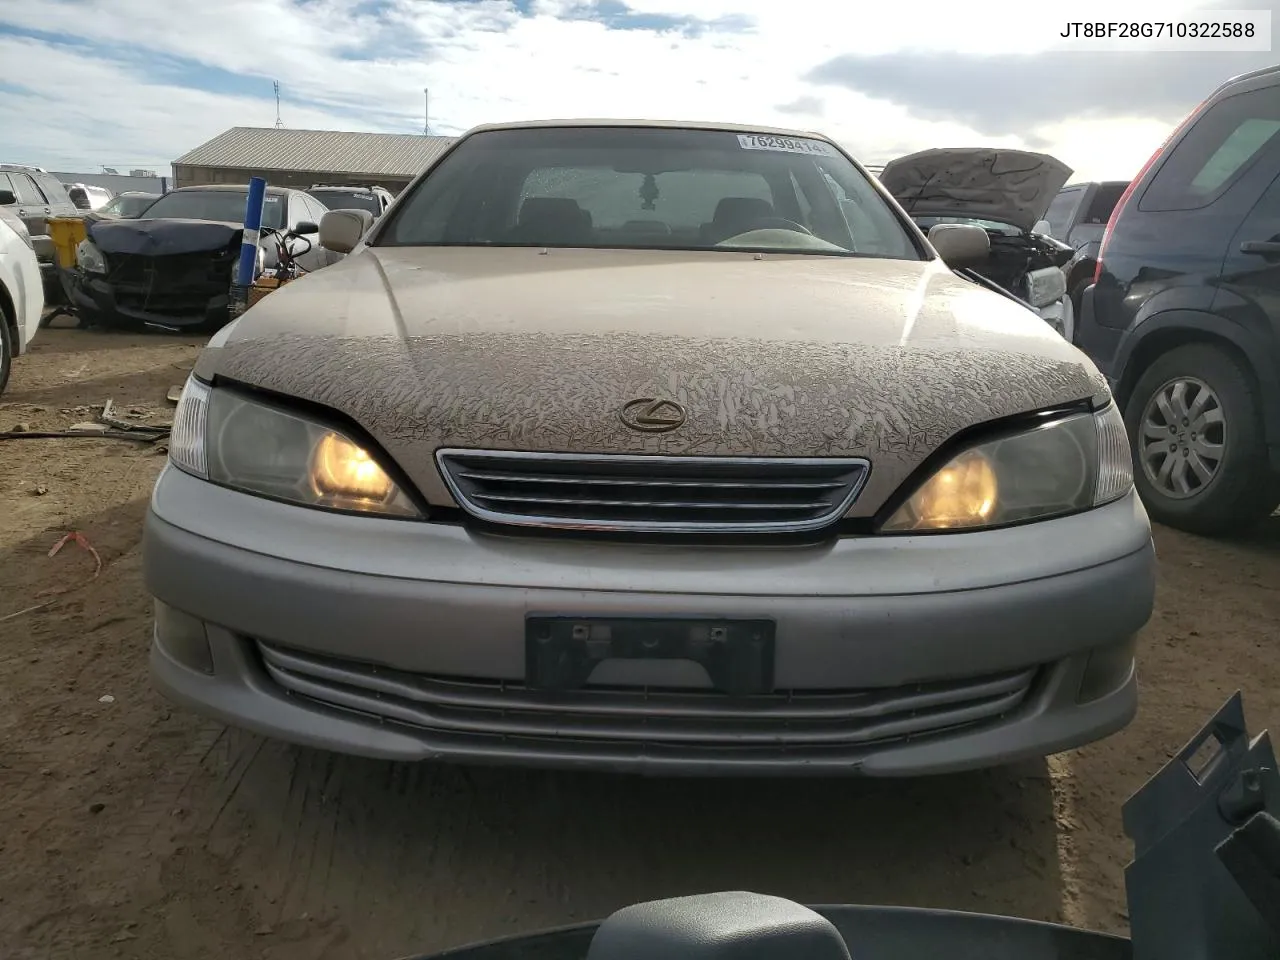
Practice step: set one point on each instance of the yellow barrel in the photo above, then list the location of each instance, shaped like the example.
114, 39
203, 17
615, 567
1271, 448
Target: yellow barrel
66, 233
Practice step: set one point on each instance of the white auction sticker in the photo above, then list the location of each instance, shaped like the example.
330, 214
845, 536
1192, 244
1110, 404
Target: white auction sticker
761, 141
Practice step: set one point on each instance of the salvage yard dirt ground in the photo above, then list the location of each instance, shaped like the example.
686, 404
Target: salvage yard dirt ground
130, 829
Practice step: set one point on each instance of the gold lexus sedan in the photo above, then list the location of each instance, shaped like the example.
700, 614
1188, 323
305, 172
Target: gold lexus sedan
654, 447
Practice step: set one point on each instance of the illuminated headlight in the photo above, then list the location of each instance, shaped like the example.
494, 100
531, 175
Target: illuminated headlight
90, 258
1063, 466
258, 448
1046, 286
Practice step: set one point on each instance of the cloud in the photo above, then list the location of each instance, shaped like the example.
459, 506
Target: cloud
806, 105
128, 83
1013, 93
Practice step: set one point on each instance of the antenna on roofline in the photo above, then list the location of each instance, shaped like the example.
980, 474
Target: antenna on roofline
279, 122
426, 112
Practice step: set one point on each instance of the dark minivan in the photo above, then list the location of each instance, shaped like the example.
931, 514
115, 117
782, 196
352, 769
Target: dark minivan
1184, 312
1078, 216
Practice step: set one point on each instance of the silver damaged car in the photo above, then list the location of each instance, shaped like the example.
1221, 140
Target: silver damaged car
654, 447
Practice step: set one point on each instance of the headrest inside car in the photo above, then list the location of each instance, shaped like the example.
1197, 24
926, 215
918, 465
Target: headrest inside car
742, 209
717, 926
554, 209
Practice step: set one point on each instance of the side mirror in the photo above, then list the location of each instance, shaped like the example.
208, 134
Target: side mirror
1043, 228
960, 244
305, 228
341, 230
7, 198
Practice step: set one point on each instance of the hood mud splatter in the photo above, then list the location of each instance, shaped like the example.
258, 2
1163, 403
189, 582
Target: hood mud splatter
519, 350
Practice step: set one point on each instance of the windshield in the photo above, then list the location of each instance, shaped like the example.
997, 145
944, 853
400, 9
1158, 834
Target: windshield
649, 188
222, 205
129, 207
347, 200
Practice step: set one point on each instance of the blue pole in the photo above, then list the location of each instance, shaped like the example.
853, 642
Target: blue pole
252, 226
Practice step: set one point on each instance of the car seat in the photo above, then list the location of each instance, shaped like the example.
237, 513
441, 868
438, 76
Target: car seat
555, 221
735, 215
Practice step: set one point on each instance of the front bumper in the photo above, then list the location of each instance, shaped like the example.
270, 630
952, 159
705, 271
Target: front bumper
96, 297
406, 640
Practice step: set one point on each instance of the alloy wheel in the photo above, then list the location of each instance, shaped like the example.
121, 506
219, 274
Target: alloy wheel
1184, 438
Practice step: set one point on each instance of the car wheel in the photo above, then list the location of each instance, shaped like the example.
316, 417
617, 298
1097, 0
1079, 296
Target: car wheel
1200, 456
6, 348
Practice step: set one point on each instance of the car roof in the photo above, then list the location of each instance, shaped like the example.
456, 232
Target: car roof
230, 188
1243, 78
657, 124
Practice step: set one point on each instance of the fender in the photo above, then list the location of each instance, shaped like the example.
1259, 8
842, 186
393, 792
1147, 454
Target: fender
1170, 328
1085, 256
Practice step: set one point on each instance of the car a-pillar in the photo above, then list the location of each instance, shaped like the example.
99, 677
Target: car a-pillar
1195, 409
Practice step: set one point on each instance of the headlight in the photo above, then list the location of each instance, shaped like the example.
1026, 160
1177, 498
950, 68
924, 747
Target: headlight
252, 446
1060, 467
90, 258
1046, 286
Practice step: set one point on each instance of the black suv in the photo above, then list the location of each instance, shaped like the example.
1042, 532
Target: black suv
1184, 312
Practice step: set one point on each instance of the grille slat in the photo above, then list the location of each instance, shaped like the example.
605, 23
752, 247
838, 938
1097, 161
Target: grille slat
653, 493
788, 720
614, 481
655, 504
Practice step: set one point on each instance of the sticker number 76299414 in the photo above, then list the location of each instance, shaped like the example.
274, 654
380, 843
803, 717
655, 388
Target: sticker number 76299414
760, 141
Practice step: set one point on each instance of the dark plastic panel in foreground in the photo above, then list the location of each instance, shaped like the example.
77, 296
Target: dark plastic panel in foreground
870, 933
1183, 902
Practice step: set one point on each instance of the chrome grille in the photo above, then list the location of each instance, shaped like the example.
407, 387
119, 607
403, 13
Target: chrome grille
634, 718
654, 494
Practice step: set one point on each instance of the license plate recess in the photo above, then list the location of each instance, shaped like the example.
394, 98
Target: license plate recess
561, 652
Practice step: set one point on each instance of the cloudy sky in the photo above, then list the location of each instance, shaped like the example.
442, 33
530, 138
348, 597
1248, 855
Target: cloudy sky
135, 83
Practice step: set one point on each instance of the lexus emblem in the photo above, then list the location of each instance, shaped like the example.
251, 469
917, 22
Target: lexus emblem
653, 415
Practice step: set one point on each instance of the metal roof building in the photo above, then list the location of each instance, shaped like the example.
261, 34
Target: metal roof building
299, 158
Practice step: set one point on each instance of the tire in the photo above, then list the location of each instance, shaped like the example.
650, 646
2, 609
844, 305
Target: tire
6, 349
1229, 446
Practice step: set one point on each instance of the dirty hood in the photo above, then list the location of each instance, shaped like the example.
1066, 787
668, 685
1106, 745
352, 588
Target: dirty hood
523, 349
158, 238
1009, 186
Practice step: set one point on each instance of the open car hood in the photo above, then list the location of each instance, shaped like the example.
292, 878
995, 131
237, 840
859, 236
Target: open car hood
1009, 186
158, 238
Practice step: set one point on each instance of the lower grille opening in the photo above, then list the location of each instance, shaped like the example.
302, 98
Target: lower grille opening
631, 719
